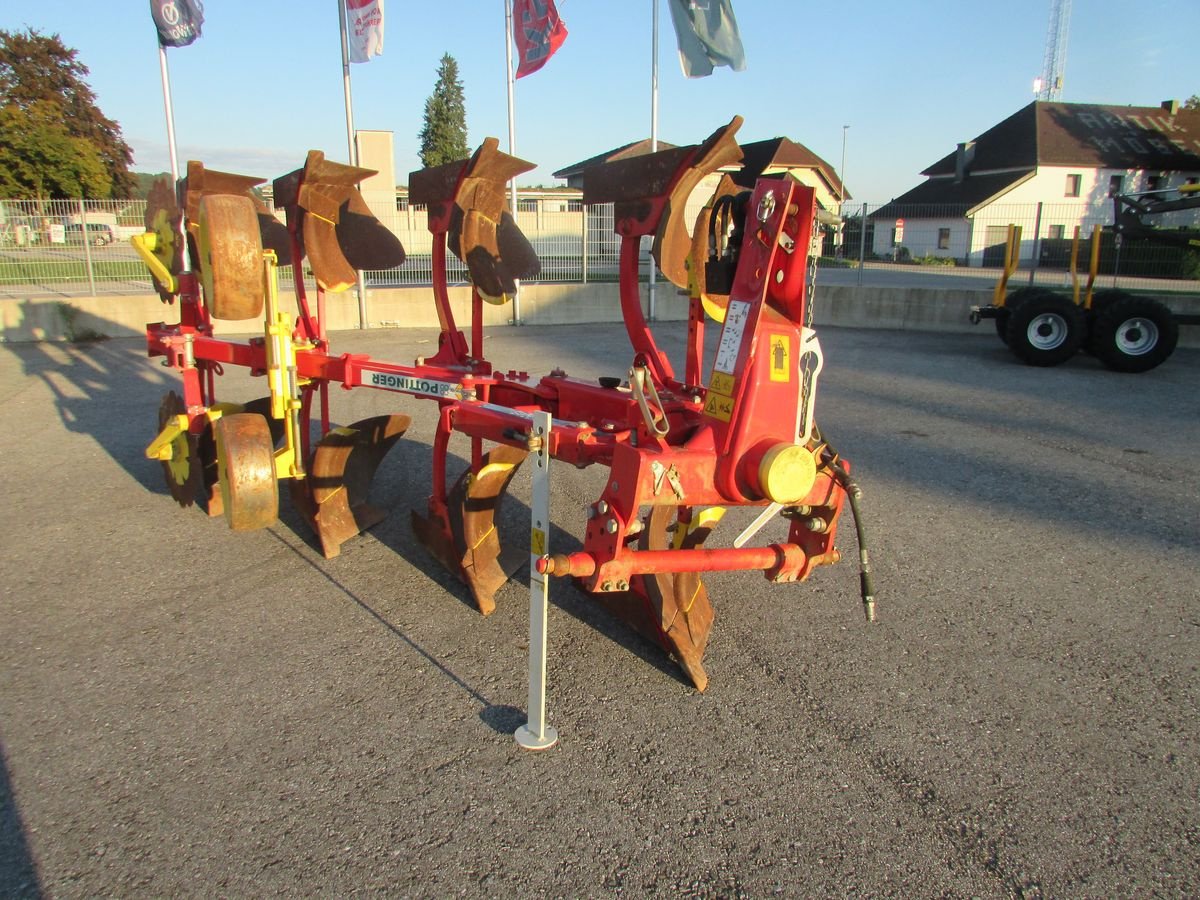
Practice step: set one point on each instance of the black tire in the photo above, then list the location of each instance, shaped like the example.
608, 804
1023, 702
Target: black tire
1011, 302
1046, 330
1133, 334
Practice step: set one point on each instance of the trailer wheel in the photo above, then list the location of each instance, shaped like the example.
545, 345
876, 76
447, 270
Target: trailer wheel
1011, 302
1046, 330
1133, 334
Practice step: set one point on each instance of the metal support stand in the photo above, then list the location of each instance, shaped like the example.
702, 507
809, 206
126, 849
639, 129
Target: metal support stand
536, 734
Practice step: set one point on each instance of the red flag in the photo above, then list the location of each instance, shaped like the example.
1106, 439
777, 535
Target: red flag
538, 32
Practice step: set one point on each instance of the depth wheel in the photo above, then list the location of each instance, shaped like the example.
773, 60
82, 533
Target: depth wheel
1046, 330
1133, 334
246, 471
231, 256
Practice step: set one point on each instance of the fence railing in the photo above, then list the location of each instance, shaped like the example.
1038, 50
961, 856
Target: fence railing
70, 247
947, 238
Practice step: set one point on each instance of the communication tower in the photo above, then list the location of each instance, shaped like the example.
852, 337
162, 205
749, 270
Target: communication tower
1049, 86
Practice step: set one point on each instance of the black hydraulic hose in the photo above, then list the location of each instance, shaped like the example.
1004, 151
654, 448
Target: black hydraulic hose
853, 494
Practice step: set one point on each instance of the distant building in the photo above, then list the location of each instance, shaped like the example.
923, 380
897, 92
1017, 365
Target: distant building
1071, 158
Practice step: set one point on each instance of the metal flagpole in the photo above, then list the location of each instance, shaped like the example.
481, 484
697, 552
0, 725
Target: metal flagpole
170, 112
166, 86
351, 151
512, 132
653, 131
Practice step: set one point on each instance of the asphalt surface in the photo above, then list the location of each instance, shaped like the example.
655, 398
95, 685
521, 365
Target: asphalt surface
187, 711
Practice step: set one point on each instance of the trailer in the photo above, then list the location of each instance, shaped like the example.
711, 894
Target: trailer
1127, 332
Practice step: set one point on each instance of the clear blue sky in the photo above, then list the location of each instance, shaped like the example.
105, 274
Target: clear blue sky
263, 85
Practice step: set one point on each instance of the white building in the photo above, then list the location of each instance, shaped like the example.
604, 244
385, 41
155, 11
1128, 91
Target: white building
1049, 167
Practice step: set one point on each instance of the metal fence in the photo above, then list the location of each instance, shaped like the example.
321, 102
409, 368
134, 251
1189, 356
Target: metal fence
956, 243
68, 247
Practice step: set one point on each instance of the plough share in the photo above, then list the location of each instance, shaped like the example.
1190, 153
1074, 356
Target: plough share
680, 449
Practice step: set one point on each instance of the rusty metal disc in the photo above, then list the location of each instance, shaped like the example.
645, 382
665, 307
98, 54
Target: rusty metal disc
231, 256
182, 472
163, 218
246, 470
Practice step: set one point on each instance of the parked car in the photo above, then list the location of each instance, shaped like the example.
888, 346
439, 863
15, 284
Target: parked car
98, 234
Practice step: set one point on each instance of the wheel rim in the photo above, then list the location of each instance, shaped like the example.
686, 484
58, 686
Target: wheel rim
1137, 336
1047, 331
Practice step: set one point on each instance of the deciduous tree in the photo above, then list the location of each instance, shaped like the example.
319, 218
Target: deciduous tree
55, 141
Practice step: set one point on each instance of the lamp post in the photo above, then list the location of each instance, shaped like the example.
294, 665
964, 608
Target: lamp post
842, 198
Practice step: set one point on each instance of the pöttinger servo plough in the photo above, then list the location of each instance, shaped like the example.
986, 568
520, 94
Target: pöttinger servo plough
680, 448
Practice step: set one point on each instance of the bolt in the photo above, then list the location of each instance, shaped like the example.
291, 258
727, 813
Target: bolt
606, 586
602, 507
766, 206
611, 526
622, 585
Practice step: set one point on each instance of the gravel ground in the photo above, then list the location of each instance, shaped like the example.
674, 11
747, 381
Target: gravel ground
186, 711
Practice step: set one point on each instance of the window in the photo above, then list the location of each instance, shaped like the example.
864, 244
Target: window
401, 204
1057, 232
524, 205
1074, 182
1114, 184
1155, 182
943, 239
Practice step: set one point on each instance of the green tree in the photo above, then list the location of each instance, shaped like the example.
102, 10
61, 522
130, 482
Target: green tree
44, 97
1192, 102
444, 135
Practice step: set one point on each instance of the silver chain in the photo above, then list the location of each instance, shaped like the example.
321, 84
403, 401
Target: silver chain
810, 290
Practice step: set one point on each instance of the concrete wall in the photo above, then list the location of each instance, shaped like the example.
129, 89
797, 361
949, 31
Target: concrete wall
913, 309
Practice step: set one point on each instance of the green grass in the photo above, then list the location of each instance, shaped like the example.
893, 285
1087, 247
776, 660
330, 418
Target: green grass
64, 270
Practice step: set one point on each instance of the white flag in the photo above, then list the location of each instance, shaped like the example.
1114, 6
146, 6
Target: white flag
364, 29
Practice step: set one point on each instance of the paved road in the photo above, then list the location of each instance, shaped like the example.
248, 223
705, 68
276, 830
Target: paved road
185, 711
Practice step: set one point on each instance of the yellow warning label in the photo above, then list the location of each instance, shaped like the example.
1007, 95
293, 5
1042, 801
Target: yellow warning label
781, 357
722, 383
719, 406
537, 542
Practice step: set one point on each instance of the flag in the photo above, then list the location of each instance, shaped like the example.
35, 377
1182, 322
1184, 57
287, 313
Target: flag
364, 29
538, 32
708, 36
178, 21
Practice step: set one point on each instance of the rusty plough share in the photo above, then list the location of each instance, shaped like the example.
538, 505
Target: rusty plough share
679, 449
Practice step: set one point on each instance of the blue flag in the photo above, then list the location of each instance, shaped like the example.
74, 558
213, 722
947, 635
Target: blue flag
178, 21
708, 36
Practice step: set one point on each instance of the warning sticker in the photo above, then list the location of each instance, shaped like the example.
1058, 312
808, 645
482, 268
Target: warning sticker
780, 349
731, 338
719, 406
722, 383
537, 542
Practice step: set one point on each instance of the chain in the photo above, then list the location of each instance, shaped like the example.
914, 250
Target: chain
810, 288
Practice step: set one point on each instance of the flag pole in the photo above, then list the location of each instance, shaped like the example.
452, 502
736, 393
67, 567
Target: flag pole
653, 130
351, 152
512, 133
166, 86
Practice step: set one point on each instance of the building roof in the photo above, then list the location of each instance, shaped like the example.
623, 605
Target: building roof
939, 198
1086, 134
635, 148
782, 153
771, 155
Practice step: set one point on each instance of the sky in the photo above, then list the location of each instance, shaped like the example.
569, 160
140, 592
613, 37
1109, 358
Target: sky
263, 84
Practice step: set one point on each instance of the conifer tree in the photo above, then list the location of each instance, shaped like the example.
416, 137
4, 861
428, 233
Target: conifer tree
444, 135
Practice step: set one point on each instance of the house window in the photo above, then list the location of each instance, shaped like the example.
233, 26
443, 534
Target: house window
943, 238
574, 206
401, 204
1057, 232
1155, 182
1114, 184
527, 205
1074, 182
